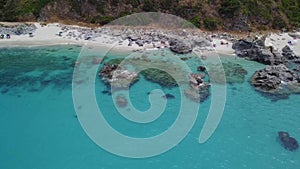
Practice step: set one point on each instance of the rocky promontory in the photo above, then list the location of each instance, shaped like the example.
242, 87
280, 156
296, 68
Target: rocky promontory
254, 49
277, 79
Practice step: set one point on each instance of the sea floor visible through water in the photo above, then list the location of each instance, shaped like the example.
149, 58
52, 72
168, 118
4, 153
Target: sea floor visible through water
39, 127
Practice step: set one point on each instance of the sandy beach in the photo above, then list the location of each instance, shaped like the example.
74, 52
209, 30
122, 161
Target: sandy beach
58, 34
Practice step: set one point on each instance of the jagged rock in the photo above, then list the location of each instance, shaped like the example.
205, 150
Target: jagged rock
254, 51
133, 37
117, 76
288, 53
242, 44
287, 141
180, 47
140, 42
199, 89
276, 80
197, 81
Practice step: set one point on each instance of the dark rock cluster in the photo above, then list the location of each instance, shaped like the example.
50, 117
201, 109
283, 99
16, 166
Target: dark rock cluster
281, 75
289, 55
198, 89
287, 141
180, 47
276, 79
20, 29
255, 50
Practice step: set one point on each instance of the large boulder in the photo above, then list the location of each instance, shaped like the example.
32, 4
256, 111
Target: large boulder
276, 79
287, 141
288, 53
255, 50
201, 42
242, 44
256, 54
180, 47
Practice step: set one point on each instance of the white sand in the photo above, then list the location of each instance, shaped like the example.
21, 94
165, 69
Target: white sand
278, 41
48, 35
223, 49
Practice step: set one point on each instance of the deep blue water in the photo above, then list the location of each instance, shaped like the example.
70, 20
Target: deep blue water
39, 128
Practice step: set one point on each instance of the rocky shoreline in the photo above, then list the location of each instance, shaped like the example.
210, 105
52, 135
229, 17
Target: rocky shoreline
179, 41
279, 77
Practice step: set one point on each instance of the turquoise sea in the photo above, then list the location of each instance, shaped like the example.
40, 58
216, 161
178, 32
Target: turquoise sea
39, 128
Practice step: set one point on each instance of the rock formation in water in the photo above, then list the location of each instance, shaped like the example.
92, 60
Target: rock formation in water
234, 73
198, 89
276, 80
287, 141
160, 77
117, 76
169, 96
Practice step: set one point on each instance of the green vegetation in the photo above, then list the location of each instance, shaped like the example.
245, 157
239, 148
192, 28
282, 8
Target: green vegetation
32, 6
149, 6
196, 21
210, 24
278, 23
208, 14
7, 11
230, 7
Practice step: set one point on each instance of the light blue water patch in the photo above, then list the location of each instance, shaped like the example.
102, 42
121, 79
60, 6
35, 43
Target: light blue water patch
39, 128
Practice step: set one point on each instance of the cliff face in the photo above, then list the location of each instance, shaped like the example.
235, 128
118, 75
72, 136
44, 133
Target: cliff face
206, 14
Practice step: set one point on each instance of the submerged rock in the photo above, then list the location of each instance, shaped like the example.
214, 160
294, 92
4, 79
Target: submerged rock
160, 77
169, 96
234, 73
121, 101
97, 61
201, 68
287, 141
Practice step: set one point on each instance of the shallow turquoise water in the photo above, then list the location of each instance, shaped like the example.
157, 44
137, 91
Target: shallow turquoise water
39, 128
